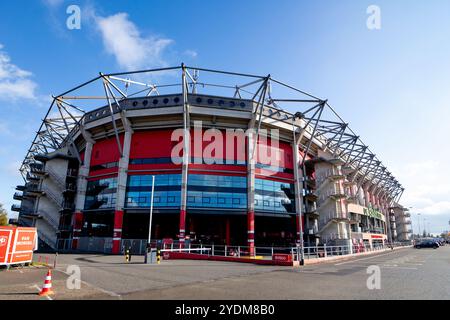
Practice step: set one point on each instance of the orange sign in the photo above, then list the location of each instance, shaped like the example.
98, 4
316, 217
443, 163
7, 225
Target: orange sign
17, 245
5, 240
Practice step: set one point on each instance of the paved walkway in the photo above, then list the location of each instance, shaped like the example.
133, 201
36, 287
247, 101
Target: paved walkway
405, 274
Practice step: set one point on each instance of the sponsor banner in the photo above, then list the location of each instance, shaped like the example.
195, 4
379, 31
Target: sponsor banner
371, 212
25, 240
282, 257
5, 239
21, 257
17, 244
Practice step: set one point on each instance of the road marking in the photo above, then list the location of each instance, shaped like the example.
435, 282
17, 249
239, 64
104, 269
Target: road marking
372, 257
39, 289
405, 268
111, 293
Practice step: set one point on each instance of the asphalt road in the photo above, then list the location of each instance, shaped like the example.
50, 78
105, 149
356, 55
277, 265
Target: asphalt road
404, 274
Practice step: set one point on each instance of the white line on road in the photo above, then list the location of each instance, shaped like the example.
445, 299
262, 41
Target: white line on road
405, 268
112, 294
39, 289
372, 257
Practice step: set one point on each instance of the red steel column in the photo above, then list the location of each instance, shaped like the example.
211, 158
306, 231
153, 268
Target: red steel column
182, 231
117, 232
227, 232
77, 225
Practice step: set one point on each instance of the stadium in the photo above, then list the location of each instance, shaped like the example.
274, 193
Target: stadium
237, 159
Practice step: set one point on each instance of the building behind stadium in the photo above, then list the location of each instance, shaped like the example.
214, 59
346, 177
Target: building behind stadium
88, 173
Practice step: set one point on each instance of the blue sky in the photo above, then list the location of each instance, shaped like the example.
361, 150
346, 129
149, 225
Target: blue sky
391, 84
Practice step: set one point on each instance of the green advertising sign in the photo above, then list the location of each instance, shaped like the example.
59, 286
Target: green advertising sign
371, 212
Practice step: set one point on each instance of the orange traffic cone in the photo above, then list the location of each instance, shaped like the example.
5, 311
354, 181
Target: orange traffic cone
47, 288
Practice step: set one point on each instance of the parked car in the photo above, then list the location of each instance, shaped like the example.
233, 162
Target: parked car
427, 244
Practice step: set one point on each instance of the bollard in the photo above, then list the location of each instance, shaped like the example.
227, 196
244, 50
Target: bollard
127, 255
46, 260
158, 256
54, 262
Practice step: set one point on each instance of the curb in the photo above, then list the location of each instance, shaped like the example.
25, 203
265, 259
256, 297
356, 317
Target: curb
315, 261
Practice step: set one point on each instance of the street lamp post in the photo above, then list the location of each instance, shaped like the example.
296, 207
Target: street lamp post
418, 223
412, 228
425, 227
149, 244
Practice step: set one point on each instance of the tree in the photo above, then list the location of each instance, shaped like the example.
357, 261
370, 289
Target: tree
3, 216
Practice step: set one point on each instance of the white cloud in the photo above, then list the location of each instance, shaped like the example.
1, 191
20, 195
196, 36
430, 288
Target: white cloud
427, 190
132, 50
191, 53
13, 167
53, 3
15, 83
437, 208
4, 129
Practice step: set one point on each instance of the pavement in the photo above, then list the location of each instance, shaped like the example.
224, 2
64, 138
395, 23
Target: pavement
404, 274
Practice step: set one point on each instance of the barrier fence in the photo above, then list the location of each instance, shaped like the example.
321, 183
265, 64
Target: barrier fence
139, 247
310, 252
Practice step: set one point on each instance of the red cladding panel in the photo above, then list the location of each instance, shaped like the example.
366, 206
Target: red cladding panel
78, 220
106, 151
210, 144
151, 144
280, 156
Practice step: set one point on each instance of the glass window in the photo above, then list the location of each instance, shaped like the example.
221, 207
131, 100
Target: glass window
101, 194
167, 190
213, 191
274, 196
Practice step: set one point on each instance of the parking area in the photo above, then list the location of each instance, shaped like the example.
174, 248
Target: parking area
405, 274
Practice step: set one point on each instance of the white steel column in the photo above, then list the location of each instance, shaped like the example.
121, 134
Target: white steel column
122, 176
251, 155
83, 173
186, 159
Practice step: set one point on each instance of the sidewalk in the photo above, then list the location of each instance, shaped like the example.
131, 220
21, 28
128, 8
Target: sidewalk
349, 256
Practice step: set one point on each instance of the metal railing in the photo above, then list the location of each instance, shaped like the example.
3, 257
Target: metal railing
332, 172
49, 218
56, 178
18, 196
138, 247
50, 242
32, 187
15, 207
64, 245
72, 172
331, 216
52, 196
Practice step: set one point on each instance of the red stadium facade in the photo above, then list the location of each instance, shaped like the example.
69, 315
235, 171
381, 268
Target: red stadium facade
231, 169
